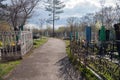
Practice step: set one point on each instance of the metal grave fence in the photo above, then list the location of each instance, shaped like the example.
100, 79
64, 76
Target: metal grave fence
102, 56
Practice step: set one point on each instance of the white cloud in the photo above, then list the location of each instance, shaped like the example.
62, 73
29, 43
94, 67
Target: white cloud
31, 26
70, 4
74, 8
78, 8
110, 3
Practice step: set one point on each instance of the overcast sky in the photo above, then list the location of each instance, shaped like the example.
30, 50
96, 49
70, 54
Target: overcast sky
73, 8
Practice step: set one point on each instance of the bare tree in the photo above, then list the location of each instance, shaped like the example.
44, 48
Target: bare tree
28, 6
109, 17
2, 11
102, 2
118, 10
19, 11
42, 21
71, 21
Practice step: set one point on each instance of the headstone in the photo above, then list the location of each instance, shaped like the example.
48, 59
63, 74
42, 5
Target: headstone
107, 35
88, 34
117, 32
71, 36
112, 35
77, 35
102, 34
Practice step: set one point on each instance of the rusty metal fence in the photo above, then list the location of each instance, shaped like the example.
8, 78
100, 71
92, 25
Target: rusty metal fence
13, 45
107, 68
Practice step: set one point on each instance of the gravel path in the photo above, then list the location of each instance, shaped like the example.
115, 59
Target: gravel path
48, 62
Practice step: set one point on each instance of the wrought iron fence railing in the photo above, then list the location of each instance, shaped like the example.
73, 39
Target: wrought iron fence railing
101, 63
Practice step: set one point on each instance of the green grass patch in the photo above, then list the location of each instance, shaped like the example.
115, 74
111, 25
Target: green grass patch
77, 64
6, 67
38, 42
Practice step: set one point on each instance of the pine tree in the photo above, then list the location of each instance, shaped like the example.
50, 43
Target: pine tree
54, 7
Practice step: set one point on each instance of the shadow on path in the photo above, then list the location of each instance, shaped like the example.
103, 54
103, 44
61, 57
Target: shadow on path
67, 70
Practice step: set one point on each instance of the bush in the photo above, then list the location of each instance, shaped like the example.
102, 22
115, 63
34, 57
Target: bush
1, 44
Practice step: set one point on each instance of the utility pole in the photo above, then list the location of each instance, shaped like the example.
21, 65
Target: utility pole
53, 19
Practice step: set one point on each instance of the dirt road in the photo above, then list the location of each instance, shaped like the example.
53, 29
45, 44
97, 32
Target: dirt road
48, 62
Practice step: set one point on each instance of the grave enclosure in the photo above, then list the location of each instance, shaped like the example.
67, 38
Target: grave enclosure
15, 44
104, 59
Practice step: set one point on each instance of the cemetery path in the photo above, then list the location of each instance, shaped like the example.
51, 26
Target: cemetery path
48, 62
